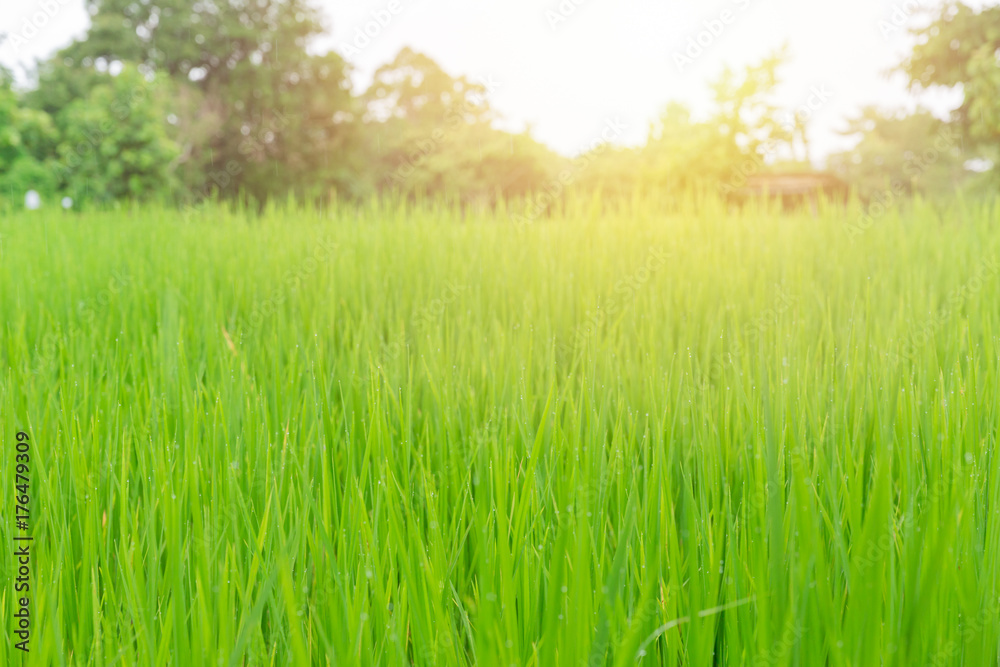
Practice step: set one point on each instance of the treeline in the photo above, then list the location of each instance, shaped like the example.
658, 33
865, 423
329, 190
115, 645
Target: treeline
182, 101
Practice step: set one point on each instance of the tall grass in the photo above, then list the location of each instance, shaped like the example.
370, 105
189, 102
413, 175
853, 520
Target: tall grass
402, 435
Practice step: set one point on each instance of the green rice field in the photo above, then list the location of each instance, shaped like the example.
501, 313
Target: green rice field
624, 433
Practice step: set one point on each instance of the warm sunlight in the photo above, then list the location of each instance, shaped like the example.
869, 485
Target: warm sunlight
482, 333
563, 67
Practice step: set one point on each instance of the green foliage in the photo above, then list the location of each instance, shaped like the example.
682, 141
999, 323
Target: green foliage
682, 154
59, 84
281, 131
414, 88
433, 136
613, 171
27, 173
214, 42
745, 111
903, 154
115, 143
373, 435
246, 111
27, 141
959, 48
256, 114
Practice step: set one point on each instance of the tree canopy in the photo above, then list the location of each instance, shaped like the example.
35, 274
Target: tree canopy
186, 101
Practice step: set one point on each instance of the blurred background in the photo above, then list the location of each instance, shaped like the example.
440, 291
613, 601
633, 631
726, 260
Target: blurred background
182, 100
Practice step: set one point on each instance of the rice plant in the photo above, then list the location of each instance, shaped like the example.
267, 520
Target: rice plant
638, 432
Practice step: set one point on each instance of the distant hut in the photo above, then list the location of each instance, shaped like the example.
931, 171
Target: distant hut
794, 189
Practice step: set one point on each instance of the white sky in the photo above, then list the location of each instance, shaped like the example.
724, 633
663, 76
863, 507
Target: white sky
607, 59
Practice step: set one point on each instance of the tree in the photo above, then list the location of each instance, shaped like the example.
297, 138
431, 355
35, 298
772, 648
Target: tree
743, 133
212, 42
902, 154
414, 88
959, 48
681, 153
255, 113
27, 145
115, 143
431, 134
745, 111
